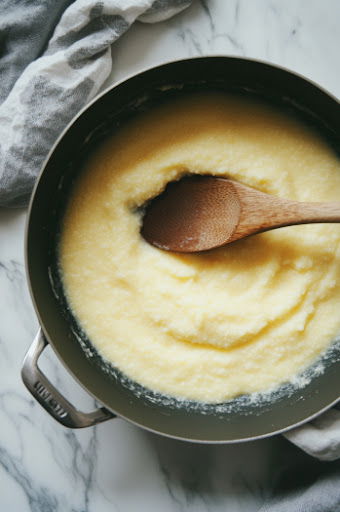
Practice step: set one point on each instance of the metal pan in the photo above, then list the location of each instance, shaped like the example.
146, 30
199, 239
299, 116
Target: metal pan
239, 420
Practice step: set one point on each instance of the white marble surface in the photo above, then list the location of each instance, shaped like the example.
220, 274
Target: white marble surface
116, 466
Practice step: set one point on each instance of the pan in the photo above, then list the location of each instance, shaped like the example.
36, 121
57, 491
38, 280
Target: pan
244, 418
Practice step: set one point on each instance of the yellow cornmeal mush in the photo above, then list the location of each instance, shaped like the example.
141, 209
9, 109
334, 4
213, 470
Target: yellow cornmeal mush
240, 319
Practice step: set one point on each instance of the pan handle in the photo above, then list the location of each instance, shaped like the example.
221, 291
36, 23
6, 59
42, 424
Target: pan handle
48, 396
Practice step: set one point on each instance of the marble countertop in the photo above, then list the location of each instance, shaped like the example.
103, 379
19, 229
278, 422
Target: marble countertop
116, 466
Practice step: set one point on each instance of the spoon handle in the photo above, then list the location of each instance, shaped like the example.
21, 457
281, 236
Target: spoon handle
262, 212
316, 212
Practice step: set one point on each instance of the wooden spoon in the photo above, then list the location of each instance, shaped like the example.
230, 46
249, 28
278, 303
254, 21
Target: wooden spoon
199, 213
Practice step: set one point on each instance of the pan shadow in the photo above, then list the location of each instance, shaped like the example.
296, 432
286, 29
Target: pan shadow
256, 473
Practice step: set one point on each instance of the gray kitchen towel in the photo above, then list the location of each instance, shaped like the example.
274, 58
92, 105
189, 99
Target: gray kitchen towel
52, 62
54, 57
320, 437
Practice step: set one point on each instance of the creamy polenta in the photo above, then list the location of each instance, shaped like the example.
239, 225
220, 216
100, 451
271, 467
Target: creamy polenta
209, 326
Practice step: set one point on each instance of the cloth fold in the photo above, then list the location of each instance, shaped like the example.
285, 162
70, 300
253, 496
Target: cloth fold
320, 437
55, 55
